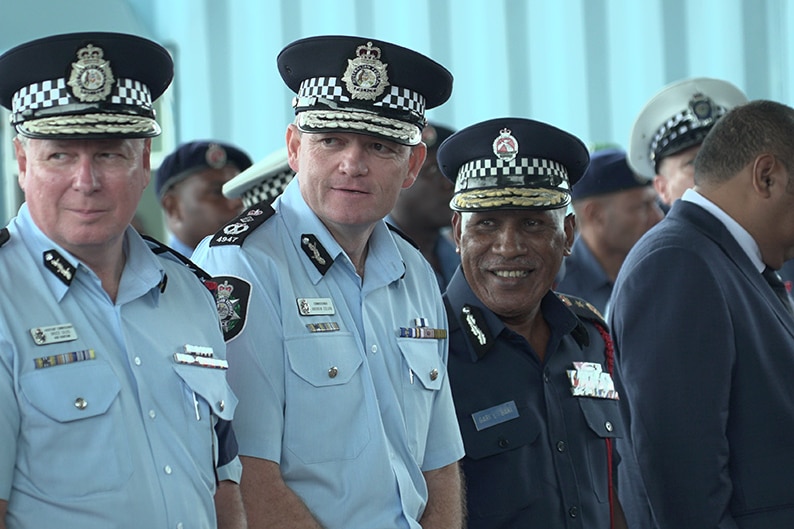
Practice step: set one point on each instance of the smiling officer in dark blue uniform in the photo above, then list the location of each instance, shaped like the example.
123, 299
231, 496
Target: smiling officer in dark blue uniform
529, 368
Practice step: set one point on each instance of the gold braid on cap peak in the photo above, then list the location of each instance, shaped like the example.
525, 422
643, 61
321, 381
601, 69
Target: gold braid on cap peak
91, 124
400, 131
510, 197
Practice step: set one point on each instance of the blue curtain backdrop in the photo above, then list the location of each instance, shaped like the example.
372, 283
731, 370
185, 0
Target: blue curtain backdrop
586, 66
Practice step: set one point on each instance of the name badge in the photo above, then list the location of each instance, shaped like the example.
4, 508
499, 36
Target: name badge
53, 334
496, 415
315, 306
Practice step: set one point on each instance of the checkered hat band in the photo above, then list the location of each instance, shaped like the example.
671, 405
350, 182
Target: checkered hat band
528, 172
681, 125
332, 89
361, 122
268, 190
55, 93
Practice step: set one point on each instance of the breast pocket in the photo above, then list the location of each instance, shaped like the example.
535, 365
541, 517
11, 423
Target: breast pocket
77, 436
603, 418
423, 375
508, 454
326, 413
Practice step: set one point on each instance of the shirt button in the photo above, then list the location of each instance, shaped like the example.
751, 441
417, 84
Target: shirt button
167, 469
137, 360
221, 405
374, 349
608, 426
561, 446
333, 372
80, 403
503, 443
152, 414
433, 374
179, 525
573, 512
546, 377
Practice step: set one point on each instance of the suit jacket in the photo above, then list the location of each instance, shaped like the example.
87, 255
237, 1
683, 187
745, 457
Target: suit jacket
704, 350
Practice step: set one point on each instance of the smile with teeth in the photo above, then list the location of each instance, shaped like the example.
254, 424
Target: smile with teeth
511, 273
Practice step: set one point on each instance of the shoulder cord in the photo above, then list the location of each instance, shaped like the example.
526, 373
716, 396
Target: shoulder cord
609, 354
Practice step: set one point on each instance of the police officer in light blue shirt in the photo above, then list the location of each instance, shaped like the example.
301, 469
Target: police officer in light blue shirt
335, 326
112, 362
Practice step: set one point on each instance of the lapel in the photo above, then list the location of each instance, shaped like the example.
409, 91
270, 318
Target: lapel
711, 227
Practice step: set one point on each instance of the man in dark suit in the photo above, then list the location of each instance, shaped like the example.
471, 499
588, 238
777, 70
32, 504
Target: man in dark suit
704, 346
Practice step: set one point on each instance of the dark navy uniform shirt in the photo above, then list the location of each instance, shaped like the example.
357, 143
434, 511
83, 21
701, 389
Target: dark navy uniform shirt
536, 455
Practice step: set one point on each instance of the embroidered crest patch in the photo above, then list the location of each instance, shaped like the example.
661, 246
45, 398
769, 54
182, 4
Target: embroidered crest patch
232, 295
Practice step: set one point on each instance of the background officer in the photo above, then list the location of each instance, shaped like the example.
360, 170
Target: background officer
669, 129
334, 321
190, 184
613, 210
530, 369
111, 358
422, 211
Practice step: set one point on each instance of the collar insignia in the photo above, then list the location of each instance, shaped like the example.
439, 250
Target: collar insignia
365, 76
319, 256
59, 266
478, 333
91, 78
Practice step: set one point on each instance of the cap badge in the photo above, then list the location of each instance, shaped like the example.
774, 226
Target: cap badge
91, 78
505, 146
365, 76
701, 106
215, 156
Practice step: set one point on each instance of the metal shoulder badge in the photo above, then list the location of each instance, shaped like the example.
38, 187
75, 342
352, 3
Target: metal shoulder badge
365, 76
235, 232
91, 78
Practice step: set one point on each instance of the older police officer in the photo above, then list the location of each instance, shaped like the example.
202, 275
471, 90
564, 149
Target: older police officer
111, 357
530, 369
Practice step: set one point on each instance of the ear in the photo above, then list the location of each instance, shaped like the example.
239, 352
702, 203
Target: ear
660, 185
764, 173
293, 146
457, 228
22, 162
569, 224
170, 204
415, 160
146, 159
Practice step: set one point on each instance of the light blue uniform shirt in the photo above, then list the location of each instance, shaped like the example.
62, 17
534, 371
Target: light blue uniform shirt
99, 427
352, 412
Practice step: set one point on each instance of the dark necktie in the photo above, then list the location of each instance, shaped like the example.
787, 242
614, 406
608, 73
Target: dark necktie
778, 287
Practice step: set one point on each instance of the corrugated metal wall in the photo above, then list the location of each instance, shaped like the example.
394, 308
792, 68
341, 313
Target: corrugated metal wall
586, 66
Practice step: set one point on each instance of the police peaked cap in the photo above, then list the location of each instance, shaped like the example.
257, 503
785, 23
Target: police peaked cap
608, 172
512, 163
678, 117
362, 85
85, 85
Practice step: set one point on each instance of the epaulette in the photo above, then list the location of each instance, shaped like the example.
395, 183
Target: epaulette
161, 249
583, 309
4, 236
240, 227
402, 234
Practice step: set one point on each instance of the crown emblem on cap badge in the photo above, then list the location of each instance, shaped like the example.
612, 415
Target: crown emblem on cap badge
365, 76
91, 78
505, 146
215, 156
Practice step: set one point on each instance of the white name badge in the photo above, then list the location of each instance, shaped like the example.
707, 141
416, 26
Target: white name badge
53, 334
315, 306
